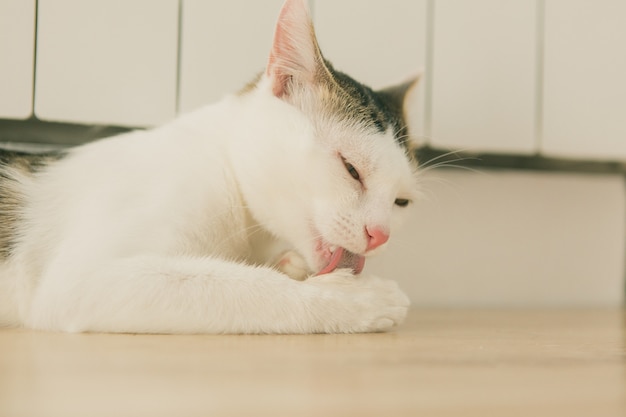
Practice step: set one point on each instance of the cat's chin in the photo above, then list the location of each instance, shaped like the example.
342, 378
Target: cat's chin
339, 258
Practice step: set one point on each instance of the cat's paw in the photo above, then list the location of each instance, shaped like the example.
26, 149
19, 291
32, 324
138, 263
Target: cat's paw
357, 304
293, 265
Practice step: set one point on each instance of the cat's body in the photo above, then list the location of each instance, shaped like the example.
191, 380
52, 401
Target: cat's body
208, 224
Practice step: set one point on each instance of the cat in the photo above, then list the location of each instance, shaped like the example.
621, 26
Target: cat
251, 215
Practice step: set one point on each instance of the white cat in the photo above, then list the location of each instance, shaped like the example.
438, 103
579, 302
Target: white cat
253, 215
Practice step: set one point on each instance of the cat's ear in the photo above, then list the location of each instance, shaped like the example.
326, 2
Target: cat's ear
295, 54
402, 98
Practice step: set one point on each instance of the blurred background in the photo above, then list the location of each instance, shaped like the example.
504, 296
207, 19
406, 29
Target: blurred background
521, 111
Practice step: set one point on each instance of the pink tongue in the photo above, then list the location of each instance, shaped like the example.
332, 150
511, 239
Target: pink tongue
342, 258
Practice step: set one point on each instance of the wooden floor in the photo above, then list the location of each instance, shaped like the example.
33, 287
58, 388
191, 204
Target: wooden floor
439, 363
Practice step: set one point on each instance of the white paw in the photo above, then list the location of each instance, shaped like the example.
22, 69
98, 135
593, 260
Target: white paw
293, 265
356, 304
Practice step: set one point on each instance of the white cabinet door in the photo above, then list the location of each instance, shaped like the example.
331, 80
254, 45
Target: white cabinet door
17, 51
585, 79
378, 42
109, 62
484, 72
223, 46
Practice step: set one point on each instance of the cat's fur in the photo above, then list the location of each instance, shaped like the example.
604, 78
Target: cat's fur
220, 221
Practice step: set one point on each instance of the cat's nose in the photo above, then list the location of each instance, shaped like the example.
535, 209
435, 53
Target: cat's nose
376, 237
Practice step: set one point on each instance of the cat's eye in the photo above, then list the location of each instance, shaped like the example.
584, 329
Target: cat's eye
402, 202
352, 171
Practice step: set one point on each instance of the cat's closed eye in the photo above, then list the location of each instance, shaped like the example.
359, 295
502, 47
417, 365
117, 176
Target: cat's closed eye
351, 170
402, 202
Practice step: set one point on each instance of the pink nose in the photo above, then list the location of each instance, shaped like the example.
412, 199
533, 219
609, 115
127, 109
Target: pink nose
376, 237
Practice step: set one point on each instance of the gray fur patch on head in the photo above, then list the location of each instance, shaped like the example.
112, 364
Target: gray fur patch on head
358, 101
14, 168
340, 98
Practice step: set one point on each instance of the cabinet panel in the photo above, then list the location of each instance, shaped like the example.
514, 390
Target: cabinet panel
484, 72
379, 43
584, 79
110, 62
17, 49
223, 46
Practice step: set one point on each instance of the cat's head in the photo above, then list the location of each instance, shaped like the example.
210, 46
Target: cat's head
343, 165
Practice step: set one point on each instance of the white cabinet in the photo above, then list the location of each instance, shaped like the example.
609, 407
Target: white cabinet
501, 76
17, 51
109, 62
223, 46
378, 42
484, 71
585, 79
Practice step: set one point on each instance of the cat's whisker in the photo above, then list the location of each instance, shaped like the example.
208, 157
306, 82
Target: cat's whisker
447, 154
451, 164
430, 164
248, 231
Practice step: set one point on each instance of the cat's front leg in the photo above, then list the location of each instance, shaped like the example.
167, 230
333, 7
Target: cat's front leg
361, 303
152, 294
369, 303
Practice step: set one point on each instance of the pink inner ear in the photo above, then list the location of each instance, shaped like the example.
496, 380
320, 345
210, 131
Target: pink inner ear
294, 47
276, 67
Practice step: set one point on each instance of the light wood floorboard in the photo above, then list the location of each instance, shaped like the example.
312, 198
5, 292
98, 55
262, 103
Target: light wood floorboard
439, 363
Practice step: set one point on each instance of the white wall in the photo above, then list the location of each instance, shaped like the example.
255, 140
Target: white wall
506, 238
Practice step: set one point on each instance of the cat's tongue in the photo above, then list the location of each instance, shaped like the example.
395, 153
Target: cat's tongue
342, 258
